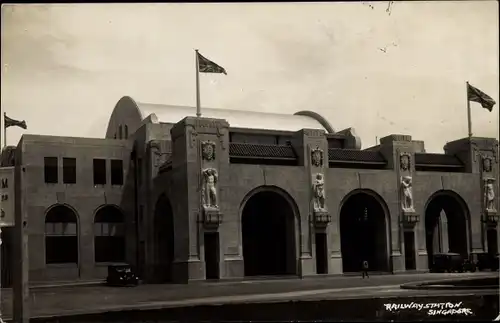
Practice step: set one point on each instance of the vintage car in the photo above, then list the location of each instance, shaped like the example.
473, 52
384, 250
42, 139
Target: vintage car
121, 275
486, 260
447, 262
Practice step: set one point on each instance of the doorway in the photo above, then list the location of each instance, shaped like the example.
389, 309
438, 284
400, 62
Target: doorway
321, 253
212, 255
492, 241
409, 240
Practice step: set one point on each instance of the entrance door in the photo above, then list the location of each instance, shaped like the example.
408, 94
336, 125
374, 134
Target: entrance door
410, 262
321, 253
212, 255
492, 241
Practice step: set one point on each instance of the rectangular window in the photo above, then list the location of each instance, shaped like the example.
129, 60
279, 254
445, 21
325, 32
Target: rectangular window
69, 170
116, 172
99, 171
50, 169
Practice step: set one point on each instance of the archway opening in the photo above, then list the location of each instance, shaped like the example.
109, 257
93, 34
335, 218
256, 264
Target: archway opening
164, 240
61, 236
363, 234
268, 228
109, 235
445, 226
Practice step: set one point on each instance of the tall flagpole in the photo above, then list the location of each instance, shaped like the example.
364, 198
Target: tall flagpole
198, 107
469, 122
4, 132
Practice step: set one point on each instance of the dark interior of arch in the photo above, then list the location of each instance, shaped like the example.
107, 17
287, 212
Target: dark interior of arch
268, 228
164, 240
363, 234
445, 231
109, 240
61, 236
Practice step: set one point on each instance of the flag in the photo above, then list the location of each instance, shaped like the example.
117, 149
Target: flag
207, 66
8, 122
476, 95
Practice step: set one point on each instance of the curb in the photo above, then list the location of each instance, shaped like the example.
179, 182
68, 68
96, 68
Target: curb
447, 284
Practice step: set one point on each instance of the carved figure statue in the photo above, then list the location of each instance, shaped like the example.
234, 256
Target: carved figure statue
407, 202
319, 193
209, 191
489, 195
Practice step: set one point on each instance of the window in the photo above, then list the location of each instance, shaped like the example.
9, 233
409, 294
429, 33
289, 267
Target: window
99, 171
61, 236
125, 127
116, 172
109, 235
69, 170
50, 169
120, 133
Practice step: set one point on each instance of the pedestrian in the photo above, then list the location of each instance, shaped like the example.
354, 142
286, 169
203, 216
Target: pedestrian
365, 269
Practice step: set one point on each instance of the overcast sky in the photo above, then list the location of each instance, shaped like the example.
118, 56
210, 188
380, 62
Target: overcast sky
379, 68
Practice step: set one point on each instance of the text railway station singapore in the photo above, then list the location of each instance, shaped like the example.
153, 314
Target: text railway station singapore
233, 194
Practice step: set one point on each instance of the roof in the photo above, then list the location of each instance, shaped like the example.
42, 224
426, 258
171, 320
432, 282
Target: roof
354, 155
437, 160
131, 113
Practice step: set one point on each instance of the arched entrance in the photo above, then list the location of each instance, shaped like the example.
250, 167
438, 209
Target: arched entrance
163, 240
446, 225
61, 235
109, 235
268, 229
363, 232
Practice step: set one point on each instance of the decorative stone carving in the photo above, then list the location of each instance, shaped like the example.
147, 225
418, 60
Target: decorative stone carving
487, 164
317, 157
192, 136
208, 150
489, 194
407, 196
404, 161
209, 189
220, 135
319, 193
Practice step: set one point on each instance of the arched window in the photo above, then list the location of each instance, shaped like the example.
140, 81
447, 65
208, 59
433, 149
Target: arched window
126, 131
109, 235
61, 236
120, 133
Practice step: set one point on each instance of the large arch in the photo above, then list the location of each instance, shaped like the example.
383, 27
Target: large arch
164, 240
61, 235
447, 224
109, 234
269, 226
364, 222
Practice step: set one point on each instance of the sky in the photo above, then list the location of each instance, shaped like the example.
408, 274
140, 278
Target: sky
379, 67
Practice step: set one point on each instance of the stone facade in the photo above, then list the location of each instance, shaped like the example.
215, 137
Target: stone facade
209, 179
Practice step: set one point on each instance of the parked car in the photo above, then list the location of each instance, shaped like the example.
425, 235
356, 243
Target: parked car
487, 260
121, 275
447, 262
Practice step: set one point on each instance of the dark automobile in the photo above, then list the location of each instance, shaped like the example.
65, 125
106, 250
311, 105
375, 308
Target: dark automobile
487, 260
447, 262
121, 275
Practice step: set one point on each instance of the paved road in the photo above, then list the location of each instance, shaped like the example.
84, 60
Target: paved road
91, 299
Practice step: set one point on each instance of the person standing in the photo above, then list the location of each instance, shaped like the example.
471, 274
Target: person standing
365, 269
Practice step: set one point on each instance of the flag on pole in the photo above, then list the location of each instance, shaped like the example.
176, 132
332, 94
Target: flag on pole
476, 95
207, 66
8, 122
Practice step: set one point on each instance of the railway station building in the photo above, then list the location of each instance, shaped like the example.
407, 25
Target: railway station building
234, 194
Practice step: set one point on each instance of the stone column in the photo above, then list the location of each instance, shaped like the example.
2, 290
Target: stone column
311, 147
200, 157
399, 152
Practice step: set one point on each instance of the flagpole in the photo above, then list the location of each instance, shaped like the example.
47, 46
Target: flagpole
198, 107
469, 122
4, 132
